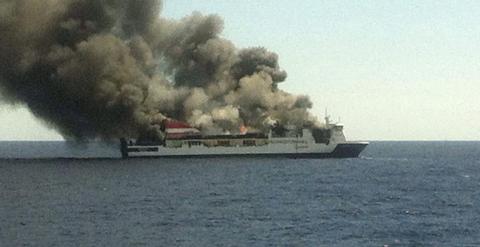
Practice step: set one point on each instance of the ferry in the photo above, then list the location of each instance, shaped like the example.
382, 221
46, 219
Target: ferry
182, 141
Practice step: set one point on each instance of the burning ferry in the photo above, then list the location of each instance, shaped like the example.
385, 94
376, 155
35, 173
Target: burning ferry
182, 140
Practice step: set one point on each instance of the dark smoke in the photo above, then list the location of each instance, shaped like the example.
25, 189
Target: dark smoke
112, 68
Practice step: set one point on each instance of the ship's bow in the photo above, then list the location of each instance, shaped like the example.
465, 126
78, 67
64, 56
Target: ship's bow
349, 149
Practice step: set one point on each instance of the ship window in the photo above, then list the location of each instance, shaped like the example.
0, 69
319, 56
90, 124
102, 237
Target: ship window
249, 143
147, 149
321, 135
223, 143
194, 143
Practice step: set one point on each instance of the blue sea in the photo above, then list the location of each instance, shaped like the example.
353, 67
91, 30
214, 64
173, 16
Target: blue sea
396, 194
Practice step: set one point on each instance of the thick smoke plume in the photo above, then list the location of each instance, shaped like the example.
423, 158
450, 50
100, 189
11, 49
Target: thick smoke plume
115, 68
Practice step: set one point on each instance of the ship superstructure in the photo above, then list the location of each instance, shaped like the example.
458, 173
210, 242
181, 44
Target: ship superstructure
182, 140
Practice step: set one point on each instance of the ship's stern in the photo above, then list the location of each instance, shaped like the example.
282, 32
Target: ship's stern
124, 148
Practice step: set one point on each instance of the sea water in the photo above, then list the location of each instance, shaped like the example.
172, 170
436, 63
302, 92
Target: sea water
396, 194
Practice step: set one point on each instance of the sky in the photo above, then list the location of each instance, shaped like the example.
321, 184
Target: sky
388, 70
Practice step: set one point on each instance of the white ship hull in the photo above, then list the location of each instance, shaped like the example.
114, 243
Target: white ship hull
340, 150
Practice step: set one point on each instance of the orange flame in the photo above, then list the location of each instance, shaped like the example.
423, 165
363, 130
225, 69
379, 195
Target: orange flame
243, 129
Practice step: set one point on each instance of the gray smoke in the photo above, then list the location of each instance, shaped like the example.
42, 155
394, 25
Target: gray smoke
114, 68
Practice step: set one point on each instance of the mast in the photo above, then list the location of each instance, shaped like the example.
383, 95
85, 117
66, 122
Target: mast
327, 118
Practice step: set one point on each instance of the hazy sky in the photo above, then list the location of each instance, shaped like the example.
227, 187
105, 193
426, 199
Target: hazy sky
391, 70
